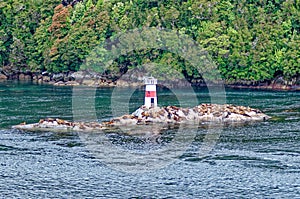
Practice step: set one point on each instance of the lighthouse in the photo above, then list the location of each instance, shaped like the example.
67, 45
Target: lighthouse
150, 92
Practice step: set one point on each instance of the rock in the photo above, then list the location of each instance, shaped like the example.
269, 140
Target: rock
46, 79
45, 73
24, 77
3, 77
28, 77
58, 77
72, 83
88, 82
68, 78
123, 83
60, 83
79, 76
204, 113
37, 77
93, 75
21, 76
34, 78
69, 83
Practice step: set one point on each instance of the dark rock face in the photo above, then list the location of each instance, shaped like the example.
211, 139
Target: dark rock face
65, 3
69, 2
58, 77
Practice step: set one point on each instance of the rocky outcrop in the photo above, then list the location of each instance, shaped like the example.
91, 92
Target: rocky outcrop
204, 113
279, 84
200, 113
134, 78
272, 87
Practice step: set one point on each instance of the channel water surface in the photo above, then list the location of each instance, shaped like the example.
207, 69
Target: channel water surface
258, 160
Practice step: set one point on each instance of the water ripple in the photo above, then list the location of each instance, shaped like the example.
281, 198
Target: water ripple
258, 160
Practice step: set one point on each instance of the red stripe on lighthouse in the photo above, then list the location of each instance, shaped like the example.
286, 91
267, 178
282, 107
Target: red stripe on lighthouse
150, 93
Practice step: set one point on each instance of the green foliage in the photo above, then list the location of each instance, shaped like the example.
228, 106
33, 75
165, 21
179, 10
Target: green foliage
247, 40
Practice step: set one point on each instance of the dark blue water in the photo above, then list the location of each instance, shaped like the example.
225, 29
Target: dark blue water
260, 160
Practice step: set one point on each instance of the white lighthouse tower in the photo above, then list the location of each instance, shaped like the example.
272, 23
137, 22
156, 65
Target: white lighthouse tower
150, 92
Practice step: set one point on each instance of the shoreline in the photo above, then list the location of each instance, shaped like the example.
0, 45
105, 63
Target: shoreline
293, 88
96, 80
270, 87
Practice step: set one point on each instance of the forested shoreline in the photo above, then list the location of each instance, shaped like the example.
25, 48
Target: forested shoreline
251, 42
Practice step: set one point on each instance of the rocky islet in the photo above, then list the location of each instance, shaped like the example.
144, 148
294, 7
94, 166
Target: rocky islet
170, 115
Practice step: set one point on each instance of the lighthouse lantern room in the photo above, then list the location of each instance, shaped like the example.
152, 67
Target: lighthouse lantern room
150, 92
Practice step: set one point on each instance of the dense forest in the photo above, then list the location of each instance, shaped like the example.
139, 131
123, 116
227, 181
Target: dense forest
249, 40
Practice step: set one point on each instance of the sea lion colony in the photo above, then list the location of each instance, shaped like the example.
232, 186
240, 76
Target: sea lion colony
203, 113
